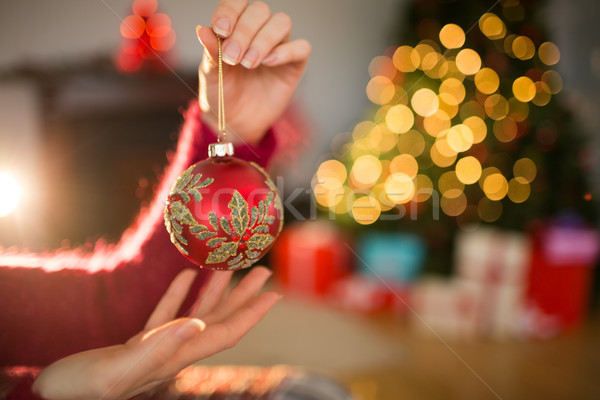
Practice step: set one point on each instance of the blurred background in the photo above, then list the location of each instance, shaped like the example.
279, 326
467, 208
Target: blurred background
451, 178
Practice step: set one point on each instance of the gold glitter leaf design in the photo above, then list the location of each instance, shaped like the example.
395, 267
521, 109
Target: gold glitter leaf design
222, 253
239, 213
259, 241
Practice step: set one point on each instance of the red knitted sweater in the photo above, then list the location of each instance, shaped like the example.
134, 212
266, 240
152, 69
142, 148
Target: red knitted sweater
53, 305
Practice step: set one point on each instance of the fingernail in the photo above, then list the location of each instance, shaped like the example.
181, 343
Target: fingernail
221, 27
250, 58
270, 59
231, 53
189, 329
198, 27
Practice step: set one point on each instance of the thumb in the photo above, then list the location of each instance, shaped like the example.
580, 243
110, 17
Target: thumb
209, 40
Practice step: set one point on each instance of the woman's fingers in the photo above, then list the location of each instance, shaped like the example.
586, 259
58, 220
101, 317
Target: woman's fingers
290, 52
247, 288
273, 33
226, 15
225, 334
170, 302
212, 292
250, 22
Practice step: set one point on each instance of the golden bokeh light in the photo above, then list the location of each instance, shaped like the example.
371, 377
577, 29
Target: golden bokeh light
362, 129
366, 210
399, 118
471, 108
442, 145
524, 89
517, 110
380, 90
332, 170
436, 123
440, 159
435, 65
328, 197
425, 102
488, 210
495, 186
404, 163
399, 188
525, 168
523, 48
553, 80
487, 80
542, 94
452, 91
382, 66
411, 142
468, 61
453, 71
366, 171
452, 36
406, 59
423, 188
549, 53
449, 185
423, 49
453, 206
450, 109
505, 130
478, 128
518, 190
492, 26
460, 138
496, 106
468, 170
345, 204
378, 192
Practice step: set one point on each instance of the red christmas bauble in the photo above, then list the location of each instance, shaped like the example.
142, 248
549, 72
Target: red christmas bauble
224, 213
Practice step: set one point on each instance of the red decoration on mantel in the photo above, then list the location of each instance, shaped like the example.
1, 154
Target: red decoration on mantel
224, 213
147, 38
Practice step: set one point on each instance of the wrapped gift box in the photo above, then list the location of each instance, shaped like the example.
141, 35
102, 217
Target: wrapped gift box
396, 257
309, 257
560, 278
495, 265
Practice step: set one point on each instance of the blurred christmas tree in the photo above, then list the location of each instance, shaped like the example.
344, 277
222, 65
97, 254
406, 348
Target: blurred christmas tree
466, 129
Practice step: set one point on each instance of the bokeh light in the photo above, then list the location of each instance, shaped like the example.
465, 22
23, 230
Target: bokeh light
366, 210
399, 188
518, 190
10, 193
452, 91
468, 170
452, 36
525, 168
399, 118
411, 142
380, 89
495, 186
492, 26
523, 48
424, 102
487, 80
406, 59
132, 27
404, 163
549, 53
468, 61
524, 89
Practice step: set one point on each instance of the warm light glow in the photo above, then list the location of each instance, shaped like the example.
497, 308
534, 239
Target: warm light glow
553, 80
449, 185
365, 171
450, 109
158, 25
132, 27
332, 170
436, 123
496, 106
492, 26
549, 53
411, 142
505, 129
518, 190
468, 170
454, 206
542, 94
399, 118
460, 138
487, 80
526, 169
523, 89
383, 66
471, 108
478, 128
380, 90
326, 196
452, 36
517, 110
452, 91
163, 43
404, 163
10, 194
468, 61
495, 186
423, 187
366, 210
523, 48
488, 210
435, 65
440, 159
424, 102
400, 188
406, 59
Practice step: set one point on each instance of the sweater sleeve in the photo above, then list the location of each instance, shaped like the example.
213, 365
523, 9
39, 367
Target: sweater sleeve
53, 305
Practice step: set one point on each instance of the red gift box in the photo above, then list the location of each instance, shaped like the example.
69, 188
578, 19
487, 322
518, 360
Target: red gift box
309, 257
560, 279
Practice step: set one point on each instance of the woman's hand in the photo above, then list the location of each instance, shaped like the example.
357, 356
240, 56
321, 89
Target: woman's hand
261, 71
166, 345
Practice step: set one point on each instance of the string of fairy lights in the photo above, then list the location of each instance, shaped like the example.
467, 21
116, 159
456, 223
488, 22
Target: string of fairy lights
443, 121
